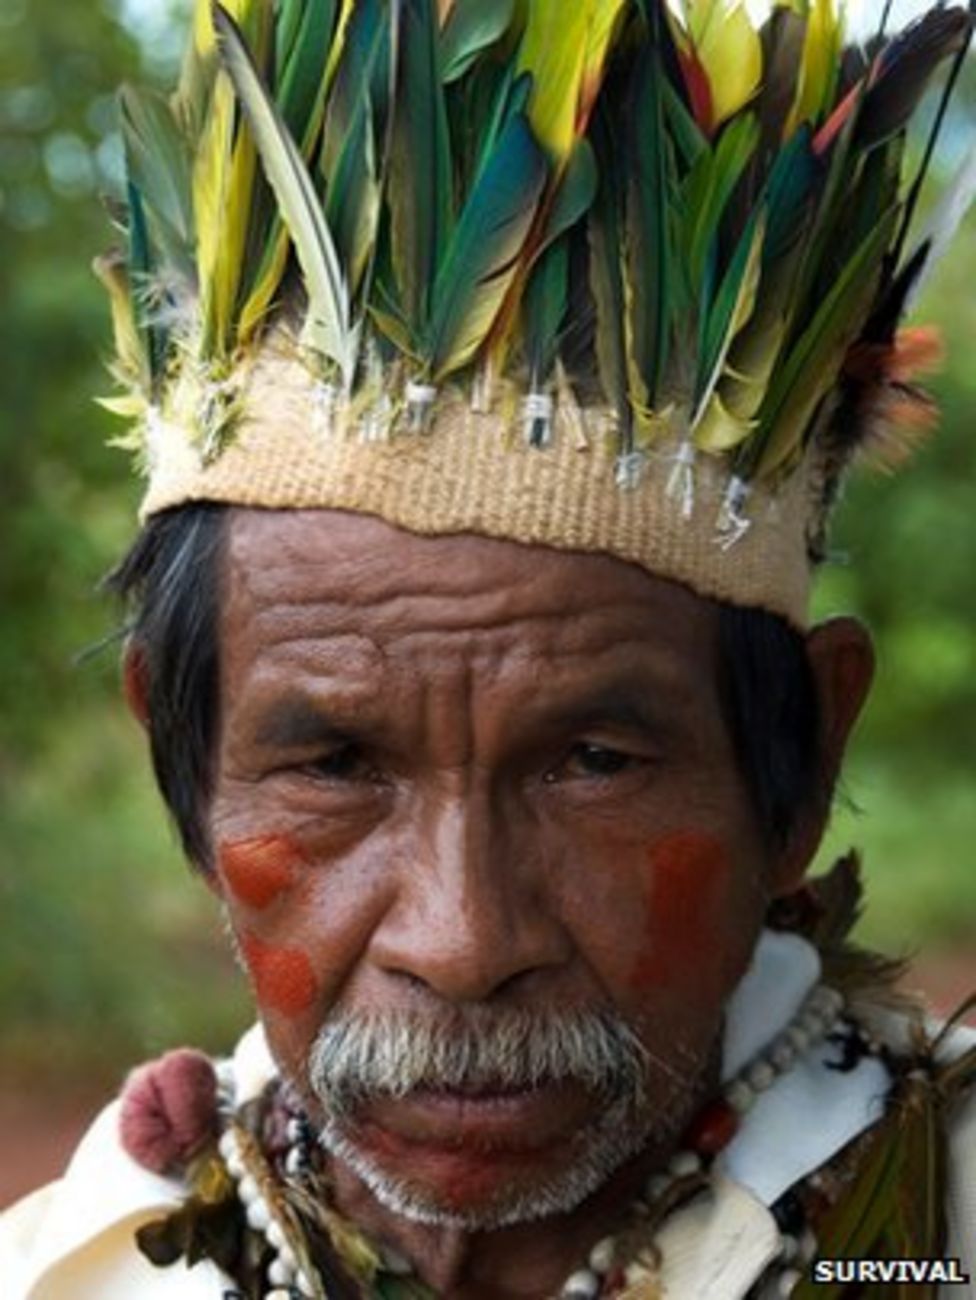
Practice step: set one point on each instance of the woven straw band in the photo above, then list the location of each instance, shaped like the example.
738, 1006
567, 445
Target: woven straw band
472, 473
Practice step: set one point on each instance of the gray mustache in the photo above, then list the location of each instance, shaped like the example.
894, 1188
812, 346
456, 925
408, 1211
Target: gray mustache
357, 1057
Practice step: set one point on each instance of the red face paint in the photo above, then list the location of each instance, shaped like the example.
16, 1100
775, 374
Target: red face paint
284, 980
687, 876
259, 871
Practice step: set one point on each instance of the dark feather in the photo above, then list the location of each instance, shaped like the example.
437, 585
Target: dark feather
651, 256
905, 70
935, 135
606, 275
782, 38
543, 311
790, 191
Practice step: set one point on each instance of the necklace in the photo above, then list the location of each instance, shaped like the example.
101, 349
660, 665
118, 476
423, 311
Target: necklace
291, 1274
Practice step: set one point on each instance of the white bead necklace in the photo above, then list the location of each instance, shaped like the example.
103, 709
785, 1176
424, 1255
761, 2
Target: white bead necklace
287, 1279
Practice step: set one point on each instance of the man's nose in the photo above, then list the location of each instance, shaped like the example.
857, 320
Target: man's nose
472, 916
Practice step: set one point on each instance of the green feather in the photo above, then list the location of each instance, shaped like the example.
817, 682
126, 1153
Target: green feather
852, 1227
483, 256
731, 309
707, 192
606, 274
362, 74
472, 27
830, 216
158, 164
291, 14
650, 263
573, 198
353, 204
790, 191
328, 329
420, 176
544, 310
480, 106
689, 140
808, 373
546, 295
301, 82
141, 268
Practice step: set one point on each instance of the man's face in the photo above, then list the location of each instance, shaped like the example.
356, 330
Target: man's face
474, 793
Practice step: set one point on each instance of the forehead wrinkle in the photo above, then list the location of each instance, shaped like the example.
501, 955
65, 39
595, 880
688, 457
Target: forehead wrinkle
404, 618
437, 596
553, 653
524, 628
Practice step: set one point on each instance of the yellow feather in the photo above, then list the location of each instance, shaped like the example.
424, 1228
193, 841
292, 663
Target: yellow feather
130, 360
727, 46
130, 406
721, 429
204, 38
210, 208
731, 52
203, 32
747, 373
224, 175
564, 48
602, 27
338, 44
742, 314
223, 182
230, 260
822, 50
261, 297
553, 51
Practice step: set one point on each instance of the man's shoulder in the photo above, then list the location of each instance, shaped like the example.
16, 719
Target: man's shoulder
75, 1238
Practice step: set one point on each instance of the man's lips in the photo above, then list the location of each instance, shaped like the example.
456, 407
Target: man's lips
509, 1122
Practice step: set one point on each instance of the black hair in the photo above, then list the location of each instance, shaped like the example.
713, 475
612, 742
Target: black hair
772, 708
171, 580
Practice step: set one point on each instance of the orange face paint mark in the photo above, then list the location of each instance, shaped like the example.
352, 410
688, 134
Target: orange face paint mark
260, 870
284, 980
686, 889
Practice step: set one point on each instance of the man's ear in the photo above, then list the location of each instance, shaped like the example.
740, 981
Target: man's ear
135, 681
841, 657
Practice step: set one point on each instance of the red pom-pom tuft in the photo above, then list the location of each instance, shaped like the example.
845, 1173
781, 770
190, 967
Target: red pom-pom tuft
169, 1110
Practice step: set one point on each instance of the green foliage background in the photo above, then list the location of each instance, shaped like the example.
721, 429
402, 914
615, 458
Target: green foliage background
108, 950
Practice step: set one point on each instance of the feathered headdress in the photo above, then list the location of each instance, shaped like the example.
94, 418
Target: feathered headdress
620, 275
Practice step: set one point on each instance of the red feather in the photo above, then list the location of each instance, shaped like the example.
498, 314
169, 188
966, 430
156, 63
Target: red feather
699, 89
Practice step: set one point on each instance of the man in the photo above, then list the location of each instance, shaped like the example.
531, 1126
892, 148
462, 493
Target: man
470, 639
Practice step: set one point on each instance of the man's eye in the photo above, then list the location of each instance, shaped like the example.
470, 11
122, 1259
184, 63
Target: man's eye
595, 760
345, 763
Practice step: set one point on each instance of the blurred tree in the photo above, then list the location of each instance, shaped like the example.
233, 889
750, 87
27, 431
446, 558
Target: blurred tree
102, 939
59, 66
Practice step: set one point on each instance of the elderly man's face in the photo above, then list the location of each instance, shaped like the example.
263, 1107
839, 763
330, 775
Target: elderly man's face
478, 822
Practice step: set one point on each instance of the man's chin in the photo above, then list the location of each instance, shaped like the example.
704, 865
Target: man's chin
486, 1174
